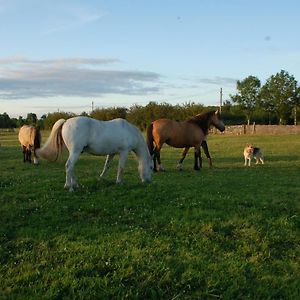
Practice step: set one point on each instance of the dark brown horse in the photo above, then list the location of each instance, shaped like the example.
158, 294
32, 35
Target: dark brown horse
30, 140
185, 134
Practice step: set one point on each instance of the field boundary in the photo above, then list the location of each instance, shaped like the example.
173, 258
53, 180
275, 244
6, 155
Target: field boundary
232, 129
260, 129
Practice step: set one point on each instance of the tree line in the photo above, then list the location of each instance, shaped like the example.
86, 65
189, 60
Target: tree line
275, 102
279, 97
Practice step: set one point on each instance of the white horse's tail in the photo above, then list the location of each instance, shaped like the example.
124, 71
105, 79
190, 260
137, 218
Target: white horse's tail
52, 149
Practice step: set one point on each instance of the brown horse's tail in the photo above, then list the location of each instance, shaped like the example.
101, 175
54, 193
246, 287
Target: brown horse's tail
150, 140
37, 138
52, 149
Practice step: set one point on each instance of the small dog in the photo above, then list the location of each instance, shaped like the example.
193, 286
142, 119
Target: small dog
254, 152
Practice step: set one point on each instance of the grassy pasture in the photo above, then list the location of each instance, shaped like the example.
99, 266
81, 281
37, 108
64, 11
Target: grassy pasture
230, 232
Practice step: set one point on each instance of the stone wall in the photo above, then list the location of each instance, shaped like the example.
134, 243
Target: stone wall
261, 129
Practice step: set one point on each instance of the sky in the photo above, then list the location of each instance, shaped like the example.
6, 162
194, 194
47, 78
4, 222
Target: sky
64, 55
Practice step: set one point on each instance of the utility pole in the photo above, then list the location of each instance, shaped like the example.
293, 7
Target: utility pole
92, 106
221, 101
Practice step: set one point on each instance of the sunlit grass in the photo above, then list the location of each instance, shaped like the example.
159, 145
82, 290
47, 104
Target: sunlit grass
230, 232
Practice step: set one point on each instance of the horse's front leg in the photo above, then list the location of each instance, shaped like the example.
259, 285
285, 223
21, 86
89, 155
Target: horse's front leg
197, 154
70, 175
205, 149
121, 166
108, 161
183, 155
200, 159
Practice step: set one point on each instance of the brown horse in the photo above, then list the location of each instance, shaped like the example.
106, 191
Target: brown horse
185, 134
30, 140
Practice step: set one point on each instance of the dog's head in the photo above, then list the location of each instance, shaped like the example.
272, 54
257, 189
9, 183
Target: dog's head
249, 148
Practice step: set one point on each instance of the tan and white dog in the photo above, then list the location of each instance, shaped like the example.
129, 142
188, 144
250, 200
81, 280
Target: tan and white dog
254, 152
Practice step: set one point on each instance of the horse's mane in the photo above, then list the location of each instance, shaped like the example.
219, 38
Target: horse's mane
202, 120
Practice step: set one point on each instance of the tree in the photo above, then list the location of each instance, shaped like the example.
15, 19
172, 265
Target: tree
20, 121
41, 122
280, 95
31, 119
53, 117
247, 96
5, 121
137, 115
105, 114
296, 104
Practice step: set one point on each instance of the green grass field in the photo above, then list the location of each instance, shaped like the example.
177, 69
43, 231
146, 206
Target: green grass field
229, 232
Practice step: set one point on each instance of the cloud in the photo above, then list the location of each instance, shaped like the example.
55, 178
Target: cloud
22, 78
218, 81
52, 17
68, 15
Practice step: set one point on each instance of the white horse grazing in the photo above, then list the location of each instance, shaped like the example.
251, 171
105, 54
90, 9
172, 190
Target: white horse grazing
83, 134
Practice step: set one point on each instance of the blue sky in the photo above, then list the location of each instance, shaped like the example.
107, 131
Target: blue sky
64, 55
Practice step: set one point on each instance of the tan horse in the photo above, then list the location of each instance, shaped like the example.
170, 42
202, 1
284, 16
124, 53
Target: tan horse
185, 134
30, 140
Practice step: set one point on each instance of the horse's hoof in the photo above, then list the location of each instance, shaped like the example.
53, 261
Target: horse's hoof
146, 181
179, 167
67, 187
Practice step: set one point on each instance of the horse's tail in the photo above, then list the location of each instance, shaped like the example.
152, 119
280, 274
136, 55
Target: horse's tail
37, 138
52, 149
150, 140
36, 142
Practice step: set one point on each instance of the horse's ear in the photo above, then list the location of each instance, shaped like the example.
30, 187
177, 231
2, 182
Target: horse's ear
217, 112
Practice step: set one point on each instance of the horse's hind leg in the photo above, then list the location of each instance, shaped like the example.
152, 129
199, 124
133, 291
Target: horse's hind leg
156, 160
122, 160
29, 155
108, 161
70, 175
197, 158
154, 157
24, 153
183, 155
160, 166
